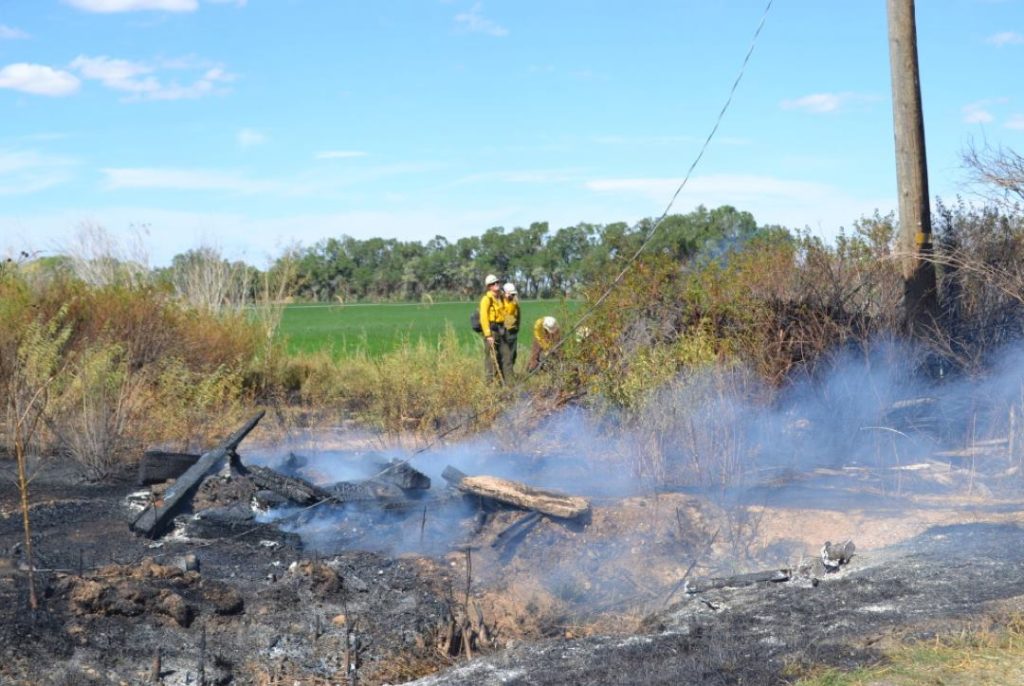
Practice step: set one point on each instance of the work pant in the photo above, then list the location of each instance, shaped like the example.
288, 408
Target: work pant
496, 358
509, 349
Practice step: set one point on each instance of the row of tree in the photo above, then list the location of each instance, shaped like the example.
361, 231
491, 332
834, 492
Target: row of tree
541, 262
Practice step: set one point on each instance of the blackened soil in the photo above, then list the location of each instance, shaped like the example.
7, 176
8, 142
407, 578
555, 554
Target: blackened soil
255, 611
750, 635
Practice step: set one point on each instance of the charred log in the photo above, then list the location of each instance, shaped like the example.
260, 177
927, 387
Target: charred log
551, 503
516, 529
401, 474
235, 522
155, 518
296, 490
702, 584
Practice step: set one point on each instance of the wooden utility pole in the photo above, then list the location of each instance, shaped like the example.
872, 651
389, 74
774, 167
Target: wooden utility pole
919, 288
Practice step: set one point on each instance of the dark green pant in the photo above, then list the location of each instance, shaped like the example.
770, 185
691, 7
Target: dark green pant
498, 358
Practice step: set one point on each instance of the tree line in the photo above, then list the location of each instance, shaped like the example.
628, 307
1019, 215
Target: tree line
541, 262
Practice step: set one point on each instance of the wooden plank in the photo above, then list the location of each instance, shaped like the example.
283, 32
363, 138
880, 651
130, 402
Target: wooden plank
551, 503
152, 521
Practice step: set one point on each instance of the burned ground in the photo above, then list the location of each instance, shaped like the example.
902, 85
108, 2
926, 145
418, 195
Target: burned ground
596, 601
110, 600
756, 635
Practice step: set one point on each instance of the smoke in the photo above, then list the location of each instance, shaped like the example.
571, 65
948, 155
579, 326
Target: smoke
872, 427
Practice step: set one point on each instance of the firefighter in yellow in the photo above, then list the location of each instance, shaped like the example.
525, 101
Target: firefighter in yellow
546, 335
492, 326
512, 314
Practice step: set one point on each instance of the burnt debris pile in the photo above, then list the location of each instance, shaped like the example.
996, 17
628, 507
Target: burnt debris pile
219, 495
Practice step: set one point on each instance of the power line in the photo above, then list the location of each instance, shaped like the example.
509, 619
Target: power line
693, 165
647, 239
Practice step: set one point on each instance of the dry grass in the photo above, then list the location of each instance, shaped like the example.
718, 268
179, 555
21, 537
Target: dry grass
419, 388
988, 652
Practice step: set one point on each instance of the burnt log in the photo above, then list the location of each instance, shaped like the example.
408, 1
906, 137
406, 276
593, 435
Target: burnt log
153, 520
401, 474
233, 523
157, 466
551, 503
737, 580
516, 529
296, 490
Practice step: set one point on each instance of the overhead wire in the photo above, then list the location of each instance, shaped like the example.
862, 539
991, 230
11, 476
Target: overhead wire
648, 238
651, 233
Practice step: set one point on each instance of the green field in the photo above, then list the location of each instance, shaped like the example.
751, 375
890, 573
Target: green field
380, 328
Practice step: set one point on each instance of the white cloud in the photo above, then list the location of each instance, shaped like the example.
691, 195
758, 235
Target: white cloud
248, 138
825, 103
112, 6
817, 103
255, 238
643, 140
738, 184
1015, 122
976, 113
544, 176
474, 22
339, 154
979, 112
11, 33
23, 172
37, 79
793, 203
311, 182
1005, 38
185, 180
113, 73
138, 79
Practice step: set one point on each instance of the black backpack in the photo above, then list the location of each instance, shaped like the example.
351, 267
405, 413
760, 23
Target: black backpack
474, 321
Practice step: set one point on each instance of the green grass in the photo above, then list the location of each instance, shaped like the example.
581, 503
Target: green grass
381, 328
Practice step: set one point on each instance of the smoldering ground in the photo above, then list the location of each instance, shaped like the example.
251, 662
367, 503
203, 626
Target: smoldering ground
717, 475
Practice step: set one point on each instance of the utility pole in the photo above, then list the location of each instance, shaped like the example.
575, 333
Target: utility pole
920, 300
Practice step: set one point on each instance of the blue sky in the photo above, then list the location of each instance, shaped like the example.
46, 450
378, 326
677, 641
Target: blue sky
255, 125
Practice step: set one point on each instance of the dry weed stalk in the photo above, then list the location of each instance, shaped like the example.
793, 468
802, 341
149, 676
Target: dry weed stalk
36, 366
207, 281
98, 258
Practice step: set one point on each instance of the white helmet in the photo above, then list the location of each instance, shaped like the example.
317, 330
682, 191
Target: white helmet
489, 279
549, 324
510, 288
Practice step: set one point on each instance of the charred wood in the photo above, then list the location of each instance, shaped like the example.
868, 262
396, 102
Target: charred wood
153, 520
231, 522
551, 503
296, 490
702, 584
357, 491
401, 474
516, 529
